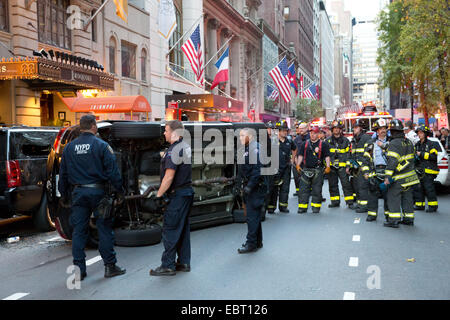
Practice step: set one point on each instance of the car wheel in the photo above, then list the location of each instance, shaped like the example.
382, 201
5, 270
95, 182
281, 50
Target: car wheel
141, 235
136, 130
41, 218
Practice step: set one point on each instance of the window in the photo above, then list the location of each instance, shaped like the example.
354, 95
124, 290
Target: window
176, 55
52, 19
4, 15
112, 56
128, 60
143, 65
94, 27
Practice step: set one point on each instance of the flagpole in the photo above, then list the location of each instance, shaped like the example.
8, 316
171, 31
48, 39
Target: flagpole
95, 14
184, 34
260, 68
218, 51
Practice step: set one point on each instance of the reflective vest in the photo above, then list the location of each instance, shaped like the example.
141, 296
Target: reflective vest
400, 162
427, 160
339, 151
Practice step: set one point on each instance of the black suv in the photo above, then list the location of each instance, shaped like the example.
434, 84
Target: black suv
23, 157
138, 147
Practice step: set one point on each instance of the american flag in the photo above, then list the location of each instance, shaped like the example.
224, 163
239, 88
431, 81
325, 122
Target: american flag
193, 51
280, 76
311, 92
272, 93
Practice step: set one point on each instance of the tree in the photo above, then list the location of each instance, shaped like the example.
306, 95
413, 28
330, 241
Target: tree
308, 109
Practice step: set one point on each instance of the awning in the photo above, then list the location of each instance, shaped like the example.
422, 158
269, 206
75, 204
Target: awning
108, 104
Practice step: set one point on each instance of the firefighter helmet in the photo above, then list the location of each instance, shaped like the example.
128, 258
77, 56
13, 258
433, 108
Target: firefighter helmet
380, 123
362, 123
337, 124
396, 125
425, 129
282, 125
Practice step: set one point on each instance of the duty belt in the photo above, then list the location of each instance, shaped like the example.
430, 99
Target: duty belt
181, 187
91, 185
310, 172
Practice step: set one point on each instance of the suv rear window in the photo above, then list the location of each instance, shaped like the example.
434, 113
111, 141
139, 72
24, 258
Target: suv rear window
3, 146
34, 144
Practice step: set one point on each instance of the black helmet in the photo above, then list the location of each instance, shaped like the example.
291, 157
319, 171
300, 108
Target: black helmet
425, 129
282, 124
362, 123
269, 125
379, 123
337, 124
396, 125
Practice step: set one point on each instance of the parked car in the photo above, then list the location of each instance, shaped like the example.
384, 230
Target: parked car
138, 147
443, 178
23, 157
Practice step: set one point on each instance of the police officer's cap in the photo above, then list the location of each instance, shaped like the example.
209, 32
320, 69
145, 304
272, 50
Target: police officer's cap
396, 125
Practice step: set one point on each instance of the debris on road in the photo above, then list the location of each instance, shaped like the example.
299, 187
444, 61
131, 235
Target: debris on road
411, 260
13, 239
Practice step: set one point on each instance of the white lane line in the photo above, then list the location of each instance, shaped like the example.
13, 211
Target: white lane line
16, 296
93, 260
356, 220
353, 262
356, 238
55, 239
349, 296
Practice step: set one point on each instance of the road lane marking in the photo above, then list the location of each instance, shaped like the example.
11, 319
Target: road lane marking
356, 220
353, 262
356, 238
93, 260
349, 296
16, 296
55, 239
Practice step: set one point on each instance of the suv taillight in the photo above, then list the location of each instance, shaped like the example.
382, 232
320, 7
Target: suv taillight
13, 173
57, 144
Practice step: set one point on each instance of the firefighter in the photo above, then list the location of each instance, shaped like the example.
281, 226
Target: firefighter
313, 154
339, 155
375, 162
427, 169
272, 139
302, 136
282, 179
400, 177
359, 143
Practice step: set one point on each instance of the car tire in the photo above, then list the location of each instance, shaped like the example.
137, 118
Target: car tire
41, 218
145, 235
136, 130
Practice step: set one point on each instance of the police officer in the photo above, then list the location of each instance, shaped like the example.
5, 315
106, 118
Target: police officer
359, 143
339, 155
176, 183
427, 168
374, 165
87, 165
400, 177
302, 136
254, 189
282, 179
312, 155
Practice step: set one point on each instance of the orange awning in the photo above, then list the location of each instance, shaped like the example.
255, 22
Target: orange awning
108, 104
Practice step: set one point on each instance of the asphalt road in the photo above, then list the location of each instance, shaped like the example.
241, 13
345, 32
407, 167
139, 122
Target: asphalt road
334, 255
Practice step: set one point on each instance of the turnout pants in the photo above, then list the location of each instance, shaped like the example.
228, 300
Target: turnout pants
84, 202
400, 203
282, 181
176, 228
362, 190
426, 188
254, 203
310, 186
333, 183
296, 178
373, 196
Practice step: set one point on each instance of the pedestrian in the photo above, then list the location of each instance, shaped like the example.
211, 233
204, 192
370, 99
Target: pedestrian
253, 188
359, 143
400, 177
302, 136
445, 139
410, 133
339, 156
427, 169
282, 179
314, 155
375, 162
87, 165
176, 184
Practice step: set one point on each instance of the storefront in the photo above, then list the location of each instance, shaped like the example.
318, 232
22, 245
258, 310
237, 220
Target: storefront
203, 107
32, 88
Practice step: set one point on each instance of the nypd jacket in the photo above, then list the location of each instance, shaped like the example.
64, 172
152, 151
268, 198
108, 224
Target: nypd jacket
339, 151
400, 162
88, 160
427, 160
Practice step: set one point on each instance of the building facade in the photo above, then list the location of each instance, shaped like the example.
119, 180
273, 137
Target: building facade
327, 63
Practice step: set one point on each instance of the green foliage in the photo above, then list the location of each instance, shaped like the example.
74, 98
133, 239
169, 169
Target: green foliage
308, 109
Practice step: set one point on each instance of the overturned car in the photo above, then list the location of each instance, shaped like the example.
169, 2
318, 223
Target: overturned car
138, 147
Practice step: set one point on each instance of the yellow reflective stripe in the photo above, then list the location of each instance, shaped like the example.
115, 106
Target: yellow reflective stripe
371, 213
283, 204
296, 189
373, 174
394, 215
363, 202
430, 171
349, 198
303, 205
366, 154
389, 172
334, 198
407, 157
333, 150
365, 168
433, 151
420, 204
359, 150
393, 154
409, 215
316, 205
342, 164
410, 183
405, 175
270, 206
426, 155
432, 203
360, 163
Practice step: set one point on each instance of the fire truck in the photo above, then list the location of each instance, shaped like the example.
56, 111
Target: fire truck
368, 112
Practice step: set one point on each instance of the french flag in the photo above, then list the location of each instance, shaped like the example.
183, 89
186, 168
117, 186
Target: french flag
223, 65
